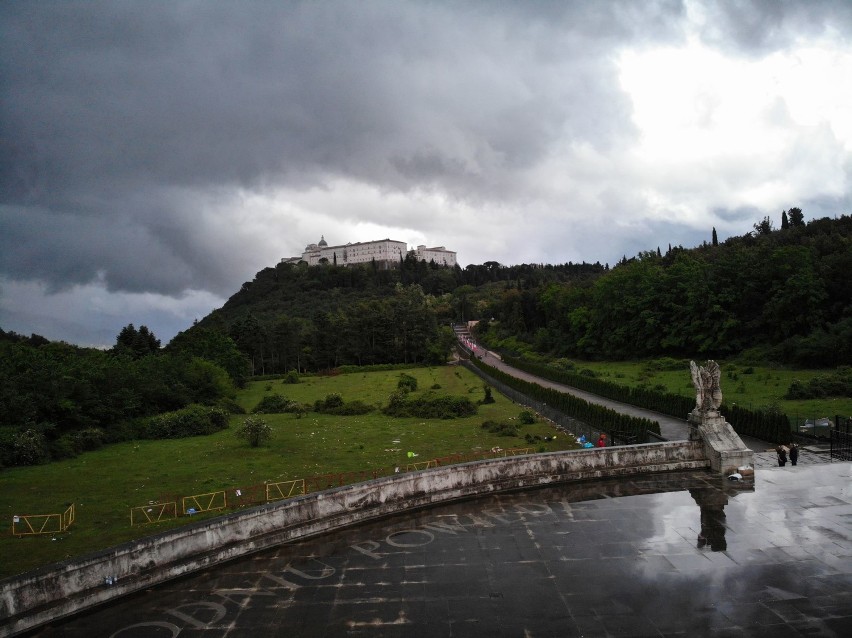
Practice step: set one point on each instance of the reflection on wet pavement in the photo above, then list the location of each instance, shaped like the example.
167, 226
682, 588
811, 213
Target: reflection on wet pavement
677, 554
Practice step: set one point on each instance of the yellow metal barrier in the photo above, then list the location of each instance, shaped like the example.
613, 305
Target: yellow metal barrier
421, 465
30, 524
516, 451
68, 517
204, 502
152, 513
276, 491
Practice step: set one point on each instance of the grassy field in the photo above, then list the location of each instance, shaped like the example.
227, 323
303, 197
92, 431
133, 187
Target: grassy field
752, 387
104, 485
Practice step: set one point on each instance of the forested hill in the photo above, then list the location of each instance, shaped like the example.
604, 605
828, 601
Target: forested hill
781, 295
318, 317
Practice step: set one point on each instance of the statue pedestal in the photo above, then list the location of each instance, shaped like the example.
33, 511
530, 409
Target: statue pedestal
723, 446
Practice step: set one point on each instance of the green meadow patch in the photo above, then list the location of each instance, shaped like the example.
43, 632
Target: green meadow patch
105, 484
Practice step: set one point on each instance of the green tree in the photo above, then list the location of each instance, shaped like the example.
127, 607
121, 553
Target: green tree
763, 227
796, 216
136, 343
215, 347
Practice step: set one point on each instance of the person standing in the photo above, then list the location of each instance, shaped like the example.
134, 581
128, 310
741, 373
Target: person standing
794, 453
602, 440
782, 455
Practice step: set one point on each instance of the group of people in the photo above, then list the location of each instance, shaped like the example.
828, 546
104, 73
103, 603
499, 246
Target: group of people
582, 441
783, 450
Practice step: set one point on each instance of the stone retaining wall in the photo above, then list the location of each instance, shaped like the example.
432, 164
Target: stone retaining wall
53, 592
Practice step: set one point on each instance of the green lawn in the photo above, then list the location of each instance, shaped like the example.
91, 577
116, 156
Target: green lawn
104, 485
752, 387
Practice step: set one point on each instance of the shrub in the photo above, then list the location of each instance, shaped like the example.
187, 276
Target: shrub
274, 404
526, 417
62, 448
29, 447
488, 396
88, 439
330, 402
6, 446
407, 382
193, 420
218, 419
255, 431
334, 404
563, 364
667, 363
501, 429
397, 400
429, 407
72, 444
125, 430
838, 384
291, 378
231, 406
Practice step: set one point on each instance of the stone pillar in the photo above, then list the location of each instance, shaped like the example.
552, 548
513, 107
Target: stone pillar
725, 449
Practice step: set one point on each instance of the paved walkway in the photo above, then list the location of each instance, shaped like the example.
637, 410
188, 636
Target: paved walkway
807, 456
679, 554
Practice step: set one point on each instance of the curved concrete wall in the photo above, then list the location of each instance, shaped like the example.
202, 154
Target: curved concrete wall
63, 589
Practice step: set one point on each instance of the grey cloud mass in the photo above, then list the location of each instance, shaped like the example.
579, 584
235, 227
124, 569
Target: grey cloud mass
176, 148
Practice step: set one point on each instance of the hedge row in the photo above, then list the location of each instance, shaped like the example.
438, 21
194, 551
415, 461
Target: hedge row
597, 417
766, 425
429, 406
193, 420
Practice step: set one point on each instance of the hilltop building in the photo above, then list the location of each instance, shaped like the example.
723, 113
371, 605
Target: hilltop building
387, 252
439, 255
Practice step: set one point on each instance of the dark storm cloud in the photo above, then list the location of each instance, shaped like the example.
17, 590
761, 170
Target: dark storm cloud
108, 108
128, 127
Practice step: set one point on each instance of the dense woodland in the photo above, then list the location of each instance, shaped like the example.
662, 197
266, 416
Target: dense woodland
58, 400
782, 295
777, 295
320, 317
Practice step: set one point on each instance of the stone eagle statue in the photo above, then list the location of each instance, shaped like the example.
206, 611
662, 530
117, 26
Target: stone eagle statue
708, 395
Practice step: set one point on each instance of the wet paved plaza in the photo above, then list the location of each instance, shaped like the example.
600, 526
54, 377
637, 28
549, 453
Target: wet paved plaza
668, 555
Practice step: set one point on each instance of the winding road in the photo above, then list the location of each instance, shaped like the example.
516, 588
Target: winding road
671, 428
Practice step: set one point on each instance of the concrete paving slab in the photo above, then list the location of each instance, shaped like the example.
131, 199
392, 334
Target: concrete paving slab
683, 554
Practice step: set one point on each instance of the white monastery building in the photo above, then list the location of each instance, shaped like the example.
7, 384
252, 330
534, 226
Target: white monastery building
439, 255
387, 252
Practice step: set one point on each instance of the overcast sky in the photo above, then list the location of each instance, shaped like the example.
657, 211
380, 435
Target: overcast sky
155, 155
